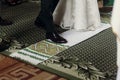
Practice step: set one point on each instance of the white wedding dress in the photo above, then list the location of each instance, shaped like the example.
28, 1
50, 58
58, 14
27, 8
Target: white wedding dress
115, 22
77, 14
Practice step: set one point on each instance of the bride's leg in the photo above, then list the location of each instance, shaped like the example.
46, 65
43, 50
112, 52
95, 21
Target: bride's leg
93, 14
80, 14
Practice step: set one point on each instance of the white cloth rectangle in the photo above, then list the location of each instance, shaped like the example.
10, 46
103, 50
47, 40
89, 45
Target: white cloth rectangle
74, 37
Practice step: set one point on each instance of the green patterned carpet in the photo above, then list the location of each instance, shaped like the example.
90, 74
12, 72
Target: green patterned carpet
23, 17
100, 49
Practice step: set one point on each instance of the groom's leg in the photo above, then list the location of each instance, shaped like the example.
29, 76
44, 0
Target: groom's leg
45, 17
54, 5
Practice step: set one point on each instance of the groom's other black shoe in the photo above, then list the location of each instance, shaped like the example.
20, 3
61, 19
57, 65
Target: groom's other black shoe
4, 44
55, 37
5, 22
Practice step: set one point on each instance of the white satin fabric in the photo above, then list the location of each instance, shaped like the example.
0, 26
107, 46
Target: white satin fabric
115, 22
118, 59
77, 14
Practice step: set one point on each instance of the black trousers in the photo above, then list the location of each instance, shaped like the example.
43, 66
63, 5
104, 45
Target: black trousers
0, 8
45, 16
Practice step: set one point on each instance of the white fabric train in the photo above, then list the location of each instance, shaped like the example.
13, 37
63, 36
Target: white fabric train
115, 22
77, 14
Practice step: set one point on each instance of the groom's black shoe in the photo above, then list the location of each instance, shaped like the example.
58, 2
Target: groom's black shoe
55, 37
5, 22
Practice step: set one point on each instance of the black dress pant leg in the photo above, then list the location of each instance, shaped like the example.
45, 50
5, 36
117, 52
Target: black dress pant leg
0, 7
54, 5
45, 16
